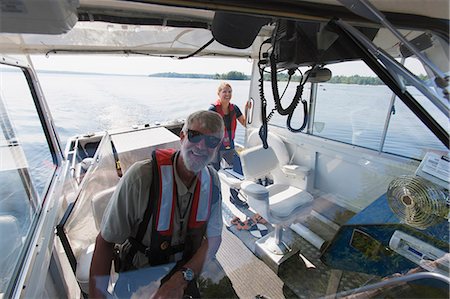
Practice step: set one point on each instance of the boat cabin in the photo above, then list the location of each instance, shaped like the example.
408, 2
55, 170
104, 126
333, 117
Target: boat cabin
341, 183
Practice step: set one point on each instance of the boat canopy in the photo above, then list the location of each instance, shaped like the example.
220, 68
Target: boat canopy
136, 28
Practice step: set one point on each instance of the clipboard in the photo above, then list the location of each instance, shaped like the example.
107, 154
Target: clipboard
141, 283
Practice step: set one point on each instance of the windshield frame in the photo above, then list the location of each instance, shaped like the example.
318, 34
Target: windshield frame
367, 49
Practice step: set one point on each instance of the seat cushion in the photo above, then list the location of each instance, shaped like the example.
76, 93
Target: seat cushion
99, 202
231, 178
274, 141
83, 267
257, 162
284, 199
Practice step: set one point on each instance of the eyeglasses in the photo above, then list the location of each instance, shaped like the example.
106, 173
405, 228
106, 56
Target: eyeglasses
196, 137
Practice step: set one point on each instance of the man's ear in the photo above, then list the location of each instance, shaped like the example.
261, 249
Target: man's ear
182, 135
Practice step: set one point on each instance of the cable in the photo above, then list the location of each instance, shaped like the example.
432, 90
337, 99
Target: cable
200, 49
276, 95
263, 130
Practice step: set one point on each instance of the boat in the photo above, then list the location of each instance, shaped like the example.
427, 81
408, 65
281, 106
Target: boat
354, 192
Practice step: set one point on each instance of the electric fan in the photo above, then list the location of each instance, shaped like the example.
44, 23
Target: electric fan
417, 201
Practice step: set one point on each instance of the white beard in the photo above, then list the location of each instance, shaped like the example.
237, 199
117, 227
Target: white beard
192, 165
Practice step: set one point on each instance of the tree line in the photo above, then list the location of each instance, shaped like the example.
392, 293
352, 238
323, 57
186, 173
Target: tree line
235, 75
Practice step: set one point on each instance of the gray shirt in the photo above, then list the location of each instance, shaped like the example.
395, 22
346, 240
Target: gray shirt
126, 208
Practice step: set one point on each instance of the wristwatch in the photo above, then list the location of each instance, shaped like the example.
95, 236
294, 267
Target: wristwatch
188, 274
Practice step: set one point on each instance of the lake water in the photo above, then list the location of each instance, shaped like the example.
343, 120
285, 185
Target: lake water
92, 103
353, 114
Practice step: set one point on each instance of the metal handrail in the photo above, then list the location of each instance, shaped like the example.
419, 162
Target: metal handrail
391, 282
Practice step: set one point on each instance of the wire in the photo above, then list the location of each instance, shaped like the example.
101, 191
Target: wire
199, 50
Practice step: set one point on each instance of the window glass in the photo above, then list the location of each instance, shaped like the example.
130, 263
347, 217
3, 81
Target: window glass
352, 108
26, 167
28, 131
435, 49
407, 135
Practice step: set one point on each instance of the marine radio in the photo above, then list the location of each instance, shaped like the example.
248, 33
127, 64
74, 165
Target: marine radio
294, 42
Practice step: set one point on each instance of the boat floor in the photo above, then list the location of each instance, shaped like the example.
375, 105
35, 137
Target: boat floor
244, 275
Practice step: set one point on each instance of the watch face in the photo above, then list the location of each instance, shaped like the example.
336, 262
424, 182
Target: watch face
188, 274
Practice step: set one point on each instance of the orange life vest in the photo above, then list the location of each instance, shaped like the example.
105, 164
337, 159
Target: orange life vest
164, 197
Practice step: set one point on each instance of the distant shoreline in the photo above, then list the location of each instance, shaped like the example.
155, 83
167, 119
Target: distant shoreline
179, 75
228, 76
233, 75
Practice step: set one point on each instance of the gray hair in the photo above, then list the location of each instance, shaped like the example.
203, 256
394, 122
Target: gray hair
207, 119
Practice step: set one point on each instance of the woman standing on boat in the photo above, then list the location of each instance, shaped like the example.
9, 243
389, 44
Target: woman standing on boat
230, 114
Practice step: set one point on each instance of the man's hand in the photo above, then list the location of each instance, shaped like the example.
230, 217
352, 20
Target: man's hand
100, 268
173, 288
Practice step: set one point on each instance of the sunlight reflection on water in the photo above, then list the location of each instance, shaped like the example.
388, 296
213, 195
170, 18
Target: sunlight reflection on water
353, 114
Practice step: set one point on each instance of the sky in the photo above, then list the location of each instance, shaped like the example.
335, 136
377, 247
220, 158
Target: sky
136, 65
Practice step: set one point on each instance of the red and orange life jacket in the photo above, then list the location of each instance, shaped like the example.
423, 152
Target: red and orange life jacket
164, 198
226, 138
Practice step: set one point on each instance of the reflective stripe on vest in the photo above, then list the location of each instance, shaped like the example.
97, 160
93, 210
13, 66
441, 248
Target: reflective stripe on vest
202, 200
226, 139
166, 200
201, 203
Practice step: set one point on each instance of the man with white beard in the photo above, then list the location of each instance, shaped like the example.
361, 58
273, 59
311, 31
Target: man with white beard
165, 210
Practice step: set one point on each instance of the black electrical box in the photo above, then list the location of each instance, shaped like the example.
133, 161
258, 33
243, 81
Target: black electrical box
294, 42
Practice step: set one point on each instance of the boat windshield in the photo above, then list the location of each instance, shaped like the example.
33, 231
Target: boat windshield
413, 72
26, 168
